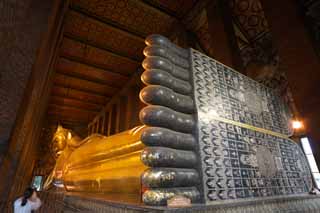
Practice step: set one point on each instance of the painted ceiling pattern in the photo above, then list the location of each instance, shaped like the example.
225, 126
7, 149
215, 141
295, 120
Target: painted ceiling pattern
90, 30
102, 48
132, 15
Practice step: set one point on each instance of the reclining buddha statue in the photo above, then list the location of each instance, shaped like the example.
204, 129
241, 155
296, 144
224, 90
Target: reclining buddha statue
208, 133
98, 163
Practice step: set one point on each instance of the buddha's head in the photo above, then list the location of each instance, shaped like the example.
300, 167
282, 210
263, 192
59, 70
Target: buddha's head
64, 138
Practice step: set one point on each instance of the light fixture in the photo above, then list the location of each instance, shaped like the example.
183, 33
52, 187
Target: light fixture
296, 124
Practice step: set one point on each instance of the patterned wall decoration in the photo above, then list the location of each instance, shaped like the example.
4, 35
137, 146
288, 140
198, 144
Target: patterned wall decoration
21, 25
258, 53
236, 97
197, 23
45, 164
240, 157
311, 9
252, 32
202, 33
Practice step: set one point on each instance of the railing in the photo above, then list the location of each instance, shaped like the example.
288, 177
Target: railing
51, 202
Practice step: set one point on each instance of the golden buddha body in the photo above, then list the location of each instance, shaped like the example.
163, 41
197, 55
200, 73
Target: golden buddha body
98, 164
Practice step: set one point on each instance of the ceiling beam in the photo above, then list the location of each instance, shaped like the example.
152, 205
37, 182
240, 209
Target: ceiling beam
54, 115
76, 94
74, 110
81, 70
96, 45
74, 77
62, 78
108, 22
54, 118
161, 9
89, 62
108, 51
70, 113
79, 61
75, 103
79, 83
65, 122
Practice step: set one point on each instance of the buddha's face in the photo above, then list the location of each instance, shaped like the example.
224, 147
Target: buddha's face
59, 141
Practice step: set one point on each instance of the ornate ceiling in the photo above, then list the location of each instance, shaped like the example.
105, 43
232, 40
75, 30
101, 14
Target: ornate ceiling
102, 47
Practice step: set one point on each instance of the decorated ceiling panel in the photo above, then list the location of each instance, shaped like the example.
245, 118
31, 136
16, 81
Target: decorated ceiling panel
92, 55
90, 30
132, 15
102, 47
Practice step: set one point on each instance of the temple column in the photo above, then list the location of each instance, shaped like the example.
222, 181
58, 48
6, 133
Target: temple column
222, 41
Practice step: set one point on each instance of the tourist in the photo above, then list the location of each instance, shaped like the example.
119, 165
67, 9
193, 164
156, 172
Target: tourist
28, 203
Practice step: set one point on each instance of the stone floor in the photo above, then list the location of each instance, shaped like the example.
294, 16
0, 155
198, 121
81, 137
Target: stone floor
59, 202
56, 202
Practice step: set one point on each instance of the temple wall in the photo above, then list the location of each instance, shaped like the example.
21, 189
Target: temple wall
31, 36
222, 40
22, 24
299, 60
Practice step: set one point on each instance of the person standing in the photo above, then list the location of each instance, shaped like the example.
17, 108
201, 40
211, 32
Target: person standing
28, 203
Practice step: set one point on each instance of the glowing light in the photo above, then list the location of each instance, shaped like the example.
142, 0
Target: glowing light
306, 146
311, 161
296, 124
69, 135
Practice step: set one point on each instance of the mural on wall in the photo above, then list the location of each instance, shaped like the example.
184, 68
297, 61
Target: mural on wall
202, 33
311, 9
258, 53
195, 21
252, 32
